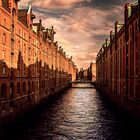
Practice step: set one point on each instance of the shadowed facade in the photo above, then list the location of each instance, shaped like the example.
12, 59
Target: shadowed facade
118, 62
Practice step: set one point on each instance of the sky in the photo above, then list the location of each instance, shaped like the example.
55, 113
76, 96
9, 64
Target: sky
81, 25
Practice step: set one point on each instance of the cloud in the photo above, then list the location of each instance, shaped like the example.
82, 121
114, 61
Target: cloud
53, 4
81, 25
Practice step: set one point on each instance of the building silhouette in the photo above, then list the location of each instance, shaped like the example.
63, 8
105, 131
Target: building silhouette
118, 61
92, 72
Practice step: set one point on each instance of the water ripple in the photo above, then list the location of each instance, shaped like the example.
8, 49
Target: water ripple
80, 114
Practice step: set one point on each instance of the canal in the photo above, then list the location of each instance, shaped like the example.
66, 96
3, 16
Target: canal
80, 113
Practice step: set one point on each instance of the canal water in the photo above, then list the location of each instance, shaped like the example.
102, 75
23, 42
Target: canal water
80, 113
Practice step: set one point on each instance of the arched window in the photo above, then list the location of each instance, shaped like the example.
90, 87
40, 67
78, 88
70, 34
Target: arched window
12, 73
13, 14
33, 86
3, 91
24, 88
13, 22
42, 83
19, 32
28, 87
18, 88
11, 91
4, 22
3, 54
4, 38
37, 85
3, 70
19, 46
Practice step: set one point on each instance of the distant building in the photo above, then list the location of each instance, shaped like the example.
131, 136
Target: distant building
81, 74
92, 72
85, 74
88, 74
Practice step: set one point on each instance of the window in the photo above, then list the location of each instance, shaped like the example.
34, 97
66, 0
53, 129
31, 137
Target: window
4, 38
12, 73
19, 32
3, 91
24, 71
3, 54
18, 69
33, 87
5, 3
4, 22
24, 49
18, 88
24, 36
11, 91
13, 14
129, 11
3, 70
19, 46
37, 85
29, 87
24, 88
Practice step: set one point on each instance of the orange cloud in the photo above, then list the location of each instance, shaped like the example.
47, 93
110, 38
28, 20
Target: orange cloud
81, 25
55, 3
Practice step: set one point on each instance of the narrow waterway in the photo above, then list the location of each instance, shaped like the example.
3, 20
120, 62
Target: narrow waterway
78, 114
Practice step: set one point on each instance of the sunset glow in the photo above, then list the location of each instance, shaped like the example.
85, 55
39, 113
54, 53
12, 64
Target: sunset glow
81, 25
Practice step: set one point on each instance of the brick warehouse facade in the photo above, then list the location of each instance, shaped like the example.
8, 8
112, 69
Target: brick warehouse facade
32, 66
118, 62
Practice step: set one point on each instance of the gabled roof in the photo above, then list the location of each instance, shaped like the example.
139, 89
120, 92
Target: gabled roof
22, 15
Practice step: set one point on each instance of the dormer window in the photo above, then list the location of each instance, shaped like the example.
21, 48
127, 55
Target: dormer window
5, 4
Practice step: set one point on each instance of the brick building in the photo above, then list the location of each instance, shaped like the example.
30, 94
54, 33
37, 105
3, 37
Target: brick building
118, 61
92, 72
32, 66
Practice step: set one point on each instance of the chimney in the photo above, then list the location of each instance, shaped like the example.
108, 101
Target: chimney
60, 48
111, 36
116, 30
126, 12
40, 24
116, 27
106, 42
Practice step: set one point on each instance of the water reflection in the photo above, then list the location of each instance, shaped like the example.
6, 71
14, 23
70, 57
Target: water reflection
79, 114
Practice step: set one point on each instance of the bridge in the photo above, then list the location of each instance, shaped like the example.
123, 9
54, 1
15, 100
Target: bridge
82, 84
